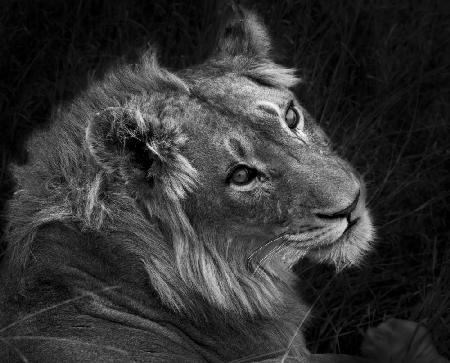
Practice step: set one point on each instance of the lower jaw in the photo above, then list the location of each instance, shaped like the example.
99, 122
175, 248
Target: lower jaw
320, 254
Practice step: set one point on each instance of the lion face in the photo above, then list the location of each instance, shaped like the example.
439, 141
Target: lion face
239, 179
268, 179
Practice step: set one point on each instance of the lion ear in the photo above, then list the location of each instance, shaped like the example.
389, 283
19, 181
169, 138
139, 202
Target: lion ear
142, 150
243, 34
121, 140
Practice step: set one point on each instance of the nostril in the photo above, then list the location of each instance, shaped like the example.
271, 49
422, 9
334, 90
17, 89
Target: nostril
344, 213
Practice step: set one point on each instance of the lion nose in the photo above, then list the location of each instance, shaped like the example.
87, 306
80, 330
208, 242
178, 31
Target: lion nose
344, 213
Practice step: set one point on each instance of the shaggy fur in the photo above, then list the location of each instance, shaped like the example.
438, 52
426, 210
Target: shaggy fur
128, 242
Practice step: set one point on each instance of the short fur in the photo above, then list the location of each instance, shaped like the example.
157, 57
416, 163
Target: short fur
128, 242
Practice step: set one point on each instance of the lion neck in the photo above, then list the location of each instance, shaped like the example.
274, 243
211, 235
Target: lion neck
118, 287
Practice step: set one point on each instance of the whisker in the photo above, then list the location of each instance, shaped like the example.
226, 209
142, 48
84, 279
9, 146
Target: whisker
249, 258
271, 253
275, 250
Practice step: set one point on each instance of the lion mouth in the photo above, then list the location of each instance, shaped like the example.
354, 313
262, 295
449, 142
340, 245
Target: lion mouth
352, 223
346, 235
291, 247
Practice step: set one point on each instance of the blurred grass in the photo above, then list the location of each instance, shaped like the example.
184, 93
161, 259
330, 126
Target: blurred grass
376, 76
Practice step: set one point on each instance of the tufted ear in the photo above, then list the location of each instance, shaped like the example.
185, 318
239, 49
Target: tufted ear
119, 138
245, 45
141, 150
243, 34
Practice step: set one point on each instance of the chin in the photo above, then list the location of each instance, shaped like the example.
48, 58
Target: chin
350, 248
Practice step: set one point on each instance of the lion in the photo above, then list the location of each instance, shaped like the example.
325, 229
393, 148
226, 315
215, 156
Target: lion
160, 214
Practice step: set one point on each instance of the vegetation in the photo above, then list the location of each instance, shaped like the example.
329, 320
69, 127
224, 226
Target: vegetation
376, 75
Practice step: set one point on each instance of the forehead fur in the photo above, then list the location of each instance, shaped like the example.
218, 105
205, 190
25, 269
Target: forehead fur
272, 74
235, 97
266, 73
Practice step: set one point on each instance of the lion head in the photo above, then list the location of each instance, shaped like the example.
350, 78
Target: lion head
214, 179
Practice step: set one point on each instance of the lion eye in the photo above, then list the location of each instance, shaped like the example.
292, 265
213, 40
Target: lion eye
292, 117
242, 175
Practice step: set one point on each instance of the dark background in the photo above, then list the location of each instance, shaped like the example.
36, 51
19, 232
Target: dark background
376, 76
